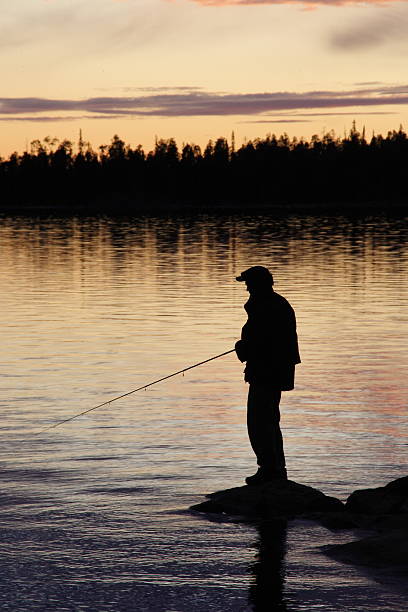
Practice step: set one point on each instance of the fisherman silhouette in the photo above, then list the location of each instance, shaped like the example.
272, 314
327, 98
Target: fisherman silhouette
269, 347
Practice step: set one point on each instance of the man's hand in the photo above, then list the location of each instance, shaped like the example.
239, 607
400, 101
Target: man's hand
240, 350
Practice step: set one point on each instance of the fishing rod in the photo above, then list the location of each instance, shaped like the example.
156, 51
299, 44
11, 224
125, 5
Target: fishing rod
135, 390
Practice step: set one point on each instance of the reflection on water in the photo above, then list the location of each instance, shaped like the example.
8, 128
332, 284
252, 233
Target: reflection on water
266, 591
93, 511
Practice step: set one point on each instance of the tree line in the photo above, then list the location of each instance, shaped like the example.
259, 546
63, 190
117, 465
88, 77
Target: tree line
270, 170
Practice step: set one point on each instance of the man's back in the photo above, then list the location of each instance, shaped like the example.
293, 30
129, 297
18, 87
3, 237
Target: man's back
271, 328
269, 338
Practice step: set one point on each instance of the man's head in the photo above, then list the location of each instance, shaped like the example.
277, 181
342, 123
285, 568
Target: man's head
256, 278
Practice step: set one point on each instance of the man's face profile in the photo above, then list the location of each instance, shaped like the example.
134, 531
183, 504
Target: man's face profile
256, 285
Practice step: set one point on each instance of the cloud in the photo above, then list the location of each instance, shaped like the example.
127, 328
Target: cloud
347, 113
52, 119
384, 28
307, 117
75, 26
283, 120
17, 29
199, 103
311, 3
183, 88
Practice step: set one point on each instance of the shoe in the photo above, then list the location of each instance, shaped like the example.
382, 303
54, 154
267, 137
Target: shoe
262, 476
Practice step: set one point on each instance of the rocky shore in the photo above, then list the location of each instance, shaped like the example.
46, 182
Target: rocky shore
382, 511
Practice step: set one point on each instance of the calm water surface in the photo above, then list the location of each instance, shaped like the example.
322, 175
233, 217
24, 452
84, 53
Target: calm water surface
94, 513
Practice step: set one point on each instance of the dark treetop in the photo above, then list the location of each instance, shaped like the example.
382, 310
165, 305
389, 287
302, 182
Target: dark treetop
265, 171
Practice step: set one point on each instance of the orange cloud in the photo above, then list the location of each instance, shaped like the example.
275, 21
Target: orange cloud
308, 3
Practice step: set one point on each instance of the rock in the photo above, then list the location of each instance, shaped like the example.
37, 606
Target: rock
391, 499
389, 550
281, 498
335, 520
390, 521
385, 510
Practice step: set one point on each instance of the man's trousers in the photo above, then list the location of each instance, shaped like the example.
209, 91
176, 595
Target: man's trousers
264, 431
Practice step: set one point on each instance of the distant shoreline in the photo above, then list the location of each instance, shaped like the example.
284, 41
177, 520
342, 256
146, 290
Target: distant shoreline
326, 175
121, 206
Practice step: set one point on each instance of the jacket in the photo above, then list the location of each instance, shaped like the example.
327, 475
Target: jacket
269, 342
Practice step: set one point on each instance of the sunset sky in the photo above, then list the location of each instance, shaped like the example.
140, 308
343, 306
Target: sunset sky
199, 69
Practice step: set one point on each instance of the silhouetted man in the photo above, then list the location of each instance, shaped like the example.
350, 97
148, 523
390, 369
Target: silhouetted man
269, 347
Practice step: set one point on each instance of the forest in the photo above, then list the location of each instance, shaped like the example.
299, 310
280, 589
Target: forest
264, 171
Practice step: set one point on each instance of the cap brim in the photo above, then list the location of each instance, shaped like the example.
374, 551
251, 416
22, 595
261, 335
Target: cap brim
240, 279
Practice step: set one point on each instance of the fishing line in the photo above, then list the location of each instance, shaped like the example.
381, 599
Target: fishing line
134, 391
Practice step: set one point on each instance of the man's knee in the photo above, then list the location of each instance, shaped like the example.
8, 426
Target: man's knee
263, 396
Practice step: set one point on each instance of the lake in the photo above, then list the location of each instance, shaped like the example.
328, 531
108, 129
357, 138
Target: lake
94, 513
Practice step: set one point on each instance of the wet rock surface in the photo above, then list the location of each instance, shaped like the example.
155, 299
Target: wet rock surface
391, 499
281, 498
384, 550
382, 510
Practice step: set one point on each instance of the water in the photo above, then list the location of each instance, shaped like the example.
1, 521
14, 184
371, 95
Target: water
94, 513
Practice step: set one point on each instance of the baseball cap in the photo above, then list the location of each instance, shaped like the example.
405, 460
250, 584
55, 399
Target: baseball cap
256, 273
